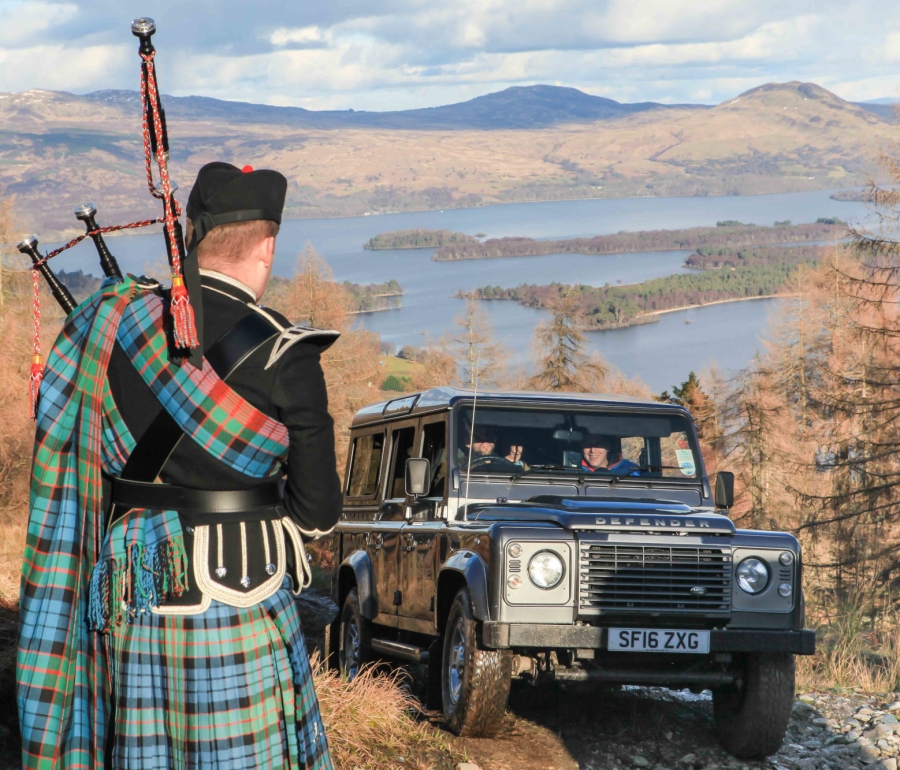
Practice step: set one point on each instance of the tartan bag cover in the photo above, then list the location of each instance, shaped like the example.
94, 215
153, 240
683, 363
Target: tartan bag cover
69, 675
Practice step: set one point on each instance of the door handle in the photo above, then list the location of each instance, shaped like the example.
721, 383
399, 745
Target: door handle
375, 540
410, 543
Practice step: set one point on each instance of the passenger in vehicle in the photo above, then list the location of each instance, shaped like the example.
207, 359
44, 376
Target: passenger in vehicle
602, 454
513, 449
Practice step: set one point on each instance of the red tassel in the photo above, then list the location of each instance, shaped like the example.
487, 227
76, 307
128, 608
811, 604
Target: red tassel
37, 376
185, 327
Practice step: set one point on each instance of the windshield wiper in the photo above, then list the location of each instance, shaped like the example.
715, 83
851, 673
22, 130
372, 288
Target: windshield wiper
656, 468
548, 467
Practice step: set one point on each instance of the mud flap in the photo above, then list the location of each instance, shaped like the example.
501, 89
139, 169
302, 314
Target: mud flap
332, 644
433, 699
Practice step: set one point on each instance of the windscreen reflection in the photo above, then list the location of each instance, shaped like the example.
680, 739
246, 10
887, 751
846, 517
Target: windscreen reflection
516, 440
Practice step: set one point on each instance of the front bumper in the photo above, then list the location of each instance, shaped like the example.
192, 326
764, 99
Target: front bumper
507, 635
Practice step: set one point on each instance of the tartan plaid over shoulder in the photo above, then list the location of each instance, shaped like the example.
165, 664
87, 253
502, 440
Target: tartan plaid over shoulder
63, 667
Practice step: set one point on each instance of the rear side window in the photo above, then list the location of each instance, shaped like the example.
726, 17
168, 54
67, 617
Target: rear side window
434, 449
403, 450
367, 451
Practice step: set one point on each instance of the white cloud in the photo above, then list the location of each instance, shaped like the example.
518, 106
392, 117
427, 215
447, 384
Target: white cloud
23, 22
63, 68
891, 50
298, 35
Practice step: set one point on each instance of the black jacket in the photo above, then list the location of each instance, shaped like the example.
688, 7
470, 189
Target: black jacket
292, 391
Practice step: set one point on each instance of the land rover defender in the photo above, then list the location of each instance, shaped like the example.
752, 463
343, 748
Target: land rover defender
494, 535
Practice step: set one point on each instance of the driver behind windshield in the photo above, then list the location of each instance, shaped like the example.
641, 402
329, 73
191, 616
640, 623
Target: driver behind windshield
483, 444
601, 454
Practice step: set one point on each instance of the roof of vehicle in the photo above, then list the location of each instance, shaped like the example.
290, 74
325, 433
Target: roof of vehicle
435, 399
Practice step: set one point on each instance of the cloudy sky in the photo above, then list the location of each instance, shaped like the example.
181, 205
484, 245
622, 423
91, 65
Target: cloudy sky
397, 54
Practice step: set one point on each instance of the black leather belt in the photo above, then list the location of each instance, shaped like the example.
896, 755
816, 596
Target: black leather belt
140, 494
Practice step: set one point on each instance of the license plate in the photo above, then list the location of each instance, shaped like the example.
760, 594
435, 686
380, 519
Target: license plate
658, 640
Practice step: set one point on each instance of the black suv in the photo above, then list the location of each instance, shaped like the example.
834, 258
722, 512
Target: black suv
493, 535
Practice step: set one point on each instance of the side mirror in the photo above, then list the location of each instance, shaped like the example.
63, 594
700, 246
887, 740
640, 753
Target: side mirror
724, 489
418, 476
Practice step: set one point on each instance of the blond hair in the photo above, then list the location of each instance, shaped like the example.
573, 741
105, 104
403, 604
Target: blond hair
229, 244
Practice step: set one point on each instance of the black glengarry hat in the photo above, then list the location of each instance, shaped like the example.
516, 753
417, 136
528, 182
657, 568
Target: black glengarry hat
224, 193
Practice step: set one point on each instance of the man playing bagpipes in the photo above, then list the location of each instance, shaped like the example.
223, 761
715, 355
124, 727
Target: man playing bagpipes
180, 461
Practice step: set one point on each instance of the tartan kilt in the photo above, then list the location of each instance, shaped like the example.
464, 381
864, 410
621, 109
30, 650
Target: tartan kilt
228, 688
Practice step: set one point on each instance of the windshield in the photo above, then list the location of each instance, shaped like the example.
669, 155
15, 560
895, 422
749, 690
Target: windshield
513, 440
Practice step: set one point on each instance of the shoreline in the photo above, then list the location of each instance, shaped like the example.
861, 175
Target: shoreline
716, 302
375, 310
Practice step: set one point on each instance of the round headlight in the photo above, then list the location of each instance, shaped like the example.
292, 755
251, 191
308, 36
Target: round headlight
546, 569
752, 575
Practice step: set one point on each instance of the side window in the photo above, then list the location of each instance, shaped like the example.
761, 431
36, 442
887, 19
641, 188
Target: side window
367, 451
403, 449
434, 449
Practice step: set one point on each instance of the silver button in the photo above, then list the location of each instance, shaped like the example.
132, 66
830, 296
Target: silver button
221, 572
245, 581
270, 569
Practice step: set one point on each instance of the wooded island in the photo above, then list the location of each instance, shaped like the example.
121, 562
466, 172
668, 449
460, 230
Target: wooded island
417, 239
728, 233
725, 275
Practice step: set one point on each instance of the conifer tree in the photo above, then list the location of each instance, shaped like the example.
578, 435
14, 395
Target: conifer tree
562, 363
481, 358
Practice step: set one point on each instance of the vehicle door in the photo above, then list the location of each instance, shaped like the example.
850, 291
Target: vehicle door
361, 494
384, 538
421, 533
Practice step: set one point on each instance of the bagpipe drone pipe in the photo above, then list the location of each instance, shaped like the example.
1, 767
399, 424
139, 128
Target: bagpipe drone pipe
156, 148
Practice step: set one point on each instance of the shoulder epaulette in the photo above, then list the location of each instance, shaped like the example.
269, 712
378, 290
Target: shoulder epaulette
323, 338
144, 282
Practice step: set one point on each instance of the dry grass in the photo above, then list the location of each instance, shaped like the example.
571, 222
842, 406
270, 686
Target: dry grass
855, 651
374, 723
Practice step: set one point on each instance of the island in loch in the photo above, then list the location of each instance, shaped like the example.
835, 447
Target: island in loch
724, 274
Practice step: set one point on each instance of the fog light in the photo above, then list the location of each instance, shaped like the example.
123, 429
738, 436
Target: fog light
515, 550
784, 589
786, 558
514, 582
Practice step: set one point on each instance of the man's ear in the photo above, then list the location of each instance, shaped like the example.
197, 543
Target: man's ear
268, 250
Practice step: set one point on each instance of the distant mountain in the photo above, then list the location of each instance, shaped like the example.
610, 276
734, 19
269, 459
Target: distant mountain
524, 107
58, 149
885, 107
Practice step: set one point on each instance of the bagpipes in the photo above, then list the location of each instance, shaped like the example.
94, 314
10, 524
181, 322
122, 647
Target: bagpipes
156, 146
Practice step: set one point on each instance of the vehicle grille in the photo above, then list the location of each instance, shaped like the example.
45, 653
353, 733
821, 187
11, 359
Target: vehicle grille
654, 579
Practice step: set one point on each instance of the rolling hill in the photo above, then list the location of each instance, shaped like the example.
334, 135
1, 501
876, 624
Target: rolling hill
529, 143
522, 107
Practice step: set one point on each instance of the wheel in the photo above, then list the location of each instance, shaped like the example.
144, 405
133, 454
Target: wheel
474, 681
355, 637
751, 718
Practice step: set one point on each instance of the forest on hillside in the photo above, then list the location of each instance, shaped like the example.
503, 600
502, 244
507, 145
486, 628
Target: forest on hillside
727, 233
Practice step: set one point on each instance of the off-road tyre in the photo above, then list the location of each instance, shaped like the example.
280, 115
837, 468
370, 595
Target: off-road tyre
751, 719
474, 700
351, 617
